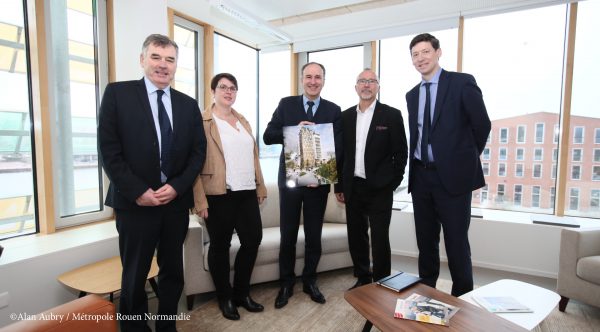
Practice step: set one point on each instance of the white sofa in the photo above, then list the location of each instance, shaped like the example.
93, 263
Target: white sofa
335, 253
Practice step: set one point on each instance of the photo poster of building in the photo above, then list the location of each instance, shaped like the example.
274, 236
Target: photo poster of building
309, 155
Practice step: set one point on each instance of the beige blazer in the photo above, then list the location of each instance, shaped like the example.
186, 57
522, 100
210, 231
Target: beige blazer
211, 180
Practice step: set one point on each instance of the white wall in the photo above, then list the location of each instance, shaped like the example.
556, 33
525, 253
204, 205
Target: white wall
508, 246
134, 20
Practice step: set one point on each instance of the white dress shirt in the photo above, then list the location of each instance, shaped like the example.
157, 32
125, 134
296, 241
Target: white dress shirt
363, 122
238, 150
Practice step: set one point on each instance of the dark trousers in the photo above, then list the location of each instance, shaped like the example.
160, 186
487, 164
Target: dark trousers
312, 203
140, 234
373, 208
239, 211
437, 209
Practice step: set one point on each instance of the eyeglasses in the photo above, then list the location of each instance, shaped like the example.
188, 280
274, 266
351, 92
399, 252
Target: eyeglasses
227, 88
424, 53
365, 82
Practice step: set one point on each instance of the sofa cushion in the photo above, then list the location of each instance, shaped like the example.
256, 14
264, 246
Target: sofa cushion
588, 268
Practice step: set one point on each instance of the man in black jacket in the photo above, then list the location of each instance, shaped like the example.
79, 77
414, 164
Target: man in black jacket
375, 154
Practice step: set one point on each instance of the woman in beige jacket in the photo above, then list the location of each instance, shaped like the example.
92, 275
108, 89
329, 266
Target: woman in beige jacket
227, 194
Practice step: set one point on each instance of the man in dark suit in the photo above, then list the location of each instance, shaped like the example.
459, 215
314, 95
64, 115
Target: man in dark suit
375, 153
445, 144
152, 148
306, 109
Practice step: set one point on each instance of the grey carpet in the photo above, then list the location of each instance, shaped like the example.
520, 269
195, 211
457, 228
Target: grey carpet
301, 314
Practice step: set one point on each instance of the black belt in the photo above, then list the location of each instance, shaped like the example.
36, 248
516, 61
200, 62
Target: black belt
421, 164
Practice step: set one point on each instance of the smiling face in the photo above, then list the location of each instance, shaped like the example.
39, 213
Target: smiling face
313, 80
160, 64
367, 86
426, 59
225, 93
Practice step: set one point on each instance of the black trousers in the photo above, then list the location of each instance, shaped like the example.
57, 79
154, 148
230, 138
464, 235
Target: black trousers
312, 202
239, 211
437, 209
373, 208
140, 234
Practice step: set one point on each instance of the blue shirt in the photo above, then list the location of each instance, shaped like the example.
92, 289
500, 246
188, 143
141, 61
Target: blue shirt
315, 107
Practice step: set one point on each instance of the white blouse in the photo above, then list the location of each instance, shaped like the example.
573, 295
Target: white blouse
238, 150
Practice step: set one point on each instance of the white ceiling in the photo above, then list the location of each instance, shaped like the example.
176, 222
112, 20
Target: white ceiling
333, 23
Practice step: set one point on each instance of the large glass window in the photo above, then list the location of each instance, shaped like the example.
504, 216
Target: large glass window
342, 66
190, 71
16, 191
585, 118
534, 107
274, 83
242, 62
74, 90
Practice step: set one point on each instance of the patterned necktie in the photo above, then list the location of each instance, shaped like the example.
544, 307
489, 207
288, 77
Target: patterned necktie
309, 112
426, 125
165, 134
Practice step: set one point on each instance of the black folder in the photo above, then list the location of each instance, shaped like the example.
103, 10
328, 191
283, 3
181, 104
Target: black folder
398, 281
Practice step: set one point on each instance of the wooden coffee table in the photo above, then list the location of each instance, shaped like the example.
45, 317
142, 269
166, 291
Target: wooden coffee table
377, 304
103, 277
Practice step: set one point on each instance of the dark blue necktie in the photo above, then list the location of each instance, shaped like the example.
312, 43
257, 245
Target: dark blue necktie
165, 134
309, 112
426, 125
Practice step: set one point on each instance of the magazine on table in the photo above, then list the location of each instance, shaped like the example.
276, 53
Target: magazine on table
421, 298
501, 304
431, 311
398, 281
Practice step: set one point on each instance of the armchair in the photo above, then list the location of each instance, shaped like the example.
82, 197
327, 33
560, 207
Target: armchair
579, 267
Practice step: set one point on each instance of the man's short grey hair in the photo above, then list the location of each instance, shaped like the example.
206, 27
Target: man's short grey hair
368, 69
158, 40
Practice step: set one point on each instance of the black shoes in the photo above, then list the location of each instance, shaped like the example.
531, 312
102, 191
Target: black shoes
229, 310
313, 291
249, 304
360, 282
283, 296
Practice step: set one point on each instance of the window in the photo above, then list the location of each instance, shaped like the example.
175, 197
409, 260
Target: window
501, 169
585, 118
486, 168
577, 155
554, 154
242, 61
274, 82
17, 200
575, 172
596, 155
536, 107
539, 133
595, 200
552, 196
556, 134
537, 171
596, 173
519, 170
520, 154
502, 154
190, 72
554, 169
538, 154
486, 155
578, 135
503, 135
574, 199
535, 196
500, 193
342, 65
521, 134
484, 194
517, 194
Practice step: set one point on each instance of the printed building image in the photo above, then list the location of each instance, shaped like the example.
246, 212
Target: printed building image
310, 148
520, 165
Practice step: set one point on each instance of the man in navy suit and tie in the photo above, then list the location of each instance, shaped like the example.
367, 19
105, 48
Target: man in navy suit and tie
306, 109
449, 127
375, 153
152, 147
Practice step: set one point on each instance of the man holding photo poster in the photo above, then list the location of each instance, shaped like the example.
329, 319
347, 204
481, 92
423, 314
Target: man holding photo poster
306, 109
